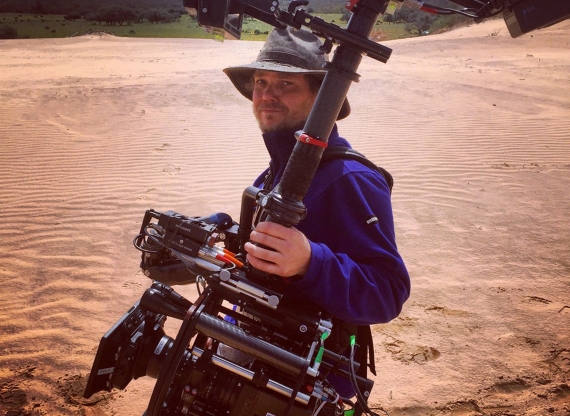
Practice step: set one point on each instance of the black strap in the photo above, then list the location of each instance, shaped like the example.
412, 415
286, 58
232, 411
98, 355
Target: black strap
339, 152
343, 152
365, 353
339, 342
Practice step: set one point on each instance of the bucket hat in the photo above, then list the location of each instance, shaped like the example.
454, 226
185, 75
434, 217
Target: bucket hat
285, 50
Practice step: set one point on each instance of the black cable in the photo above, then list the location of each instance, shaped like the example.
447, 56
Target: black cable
482, 13
361, 400
150, 239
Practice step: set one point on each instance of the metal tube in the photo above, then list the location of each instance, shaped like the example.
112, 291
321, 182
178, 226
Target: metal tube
304, 161
237, 338
248, 374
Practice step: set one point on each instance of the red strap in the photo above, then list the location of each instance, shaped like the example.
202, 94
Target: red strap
305, 138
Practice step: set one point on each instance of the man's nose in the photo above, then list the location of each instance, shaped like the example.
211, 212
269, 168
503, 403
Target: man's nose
270, 93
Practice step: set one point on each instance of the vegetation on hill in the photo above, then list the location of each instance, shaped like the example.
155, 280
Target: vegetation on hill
24, 18
82, 7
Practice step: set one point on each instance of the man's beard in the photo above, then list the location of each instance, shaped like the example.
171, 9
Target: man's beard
284, 125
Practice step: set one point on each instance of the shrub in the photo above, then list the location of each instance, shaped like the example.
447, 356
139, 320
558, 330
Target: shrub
73, 16
449, 21
8, 32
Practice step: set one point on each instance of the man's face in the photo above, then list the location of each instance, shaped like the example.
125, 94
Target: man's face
281, 101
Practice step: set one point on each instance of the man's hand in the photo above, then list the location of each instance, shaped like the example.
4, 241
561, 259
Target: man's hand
292, 251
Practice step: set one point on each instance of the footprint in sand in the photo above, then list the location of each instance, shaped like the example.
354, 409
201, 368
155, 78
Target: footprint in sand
509, 386
163, 147
411, 353
132, 285
171, 170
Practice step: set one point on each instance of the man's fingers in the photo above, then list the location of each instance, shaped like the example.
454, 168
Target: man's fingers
262, 253
278, 249
260, 258
273, 229
262, 265
266, 240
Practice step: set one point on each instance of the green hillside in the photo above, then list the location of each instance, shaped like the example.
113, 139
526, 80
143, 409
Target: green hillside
82, 6
167, 18
55, 26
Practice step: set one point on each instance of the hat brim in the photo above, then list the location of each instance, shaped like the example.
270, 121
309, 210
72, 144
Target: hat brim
242, 78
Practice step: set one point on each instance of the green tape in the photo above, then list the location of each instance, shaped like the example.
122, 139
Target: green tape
319, 355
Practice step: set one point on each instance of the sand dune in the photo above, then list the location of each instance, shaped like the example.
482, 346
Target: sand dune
474, 126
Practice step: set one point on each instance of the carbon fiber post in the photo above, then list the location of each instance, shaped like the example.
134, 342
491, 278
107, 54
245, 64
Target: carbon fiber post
285, 203
236, 337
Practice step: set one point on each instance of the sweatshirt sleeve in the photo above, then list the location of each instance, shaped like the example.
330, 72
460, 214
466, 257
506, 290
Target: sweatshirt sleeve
355, 271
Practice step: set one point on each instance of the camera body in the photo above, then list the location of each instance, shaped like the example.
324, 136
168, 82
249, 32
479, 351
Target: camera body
242, 348
523, 16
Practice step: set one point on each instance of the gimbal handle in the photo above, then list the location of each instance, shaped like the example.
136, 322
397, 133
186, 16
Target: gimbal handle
285, 203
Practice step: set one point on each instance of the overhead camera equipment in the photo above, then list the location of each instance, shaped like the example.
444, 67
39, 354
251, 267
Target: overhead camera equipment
261, 356
521, 16
527, 15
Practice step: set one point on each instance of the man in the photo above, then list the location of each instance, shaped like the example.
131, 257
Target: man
343, 255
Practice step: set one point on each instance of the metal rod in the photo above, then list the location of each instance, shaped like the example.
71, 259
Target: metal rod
248, 374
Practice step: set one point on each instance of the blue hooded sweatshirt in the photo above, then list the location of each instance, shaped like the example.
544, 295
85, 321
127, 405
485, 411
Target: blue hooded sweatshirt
355, 273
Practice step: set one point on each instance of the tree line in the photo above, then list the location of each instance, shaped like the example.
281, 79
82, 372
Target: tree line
417, 21
82, 7
121, 14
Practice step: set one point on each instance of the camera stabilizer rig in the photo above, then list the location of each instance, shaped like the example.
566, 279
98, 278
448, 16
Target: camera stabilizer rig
266, 357
285, 365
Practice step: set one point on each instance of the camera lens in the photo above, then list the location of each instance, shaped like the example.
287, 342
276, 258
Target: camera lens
157, 357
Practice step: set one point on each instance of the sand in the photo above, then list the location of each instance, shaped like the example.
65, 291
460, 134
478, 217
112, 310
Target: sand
473, 125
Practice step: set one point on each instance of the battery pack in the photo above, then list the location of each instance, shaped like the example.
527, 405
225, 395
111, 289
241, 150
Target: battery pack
527, 15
